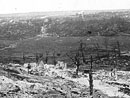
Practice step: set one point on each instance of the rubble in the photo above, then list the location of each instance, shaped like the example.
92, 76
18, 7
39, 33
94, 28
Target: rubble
58, 82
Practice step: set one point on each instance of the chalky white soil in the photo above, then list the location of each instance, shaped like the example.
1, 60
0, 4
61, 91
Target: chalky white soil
57, 82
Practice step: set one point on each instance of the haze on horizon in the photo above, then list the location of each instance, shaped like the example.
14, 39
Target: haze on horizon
23, 6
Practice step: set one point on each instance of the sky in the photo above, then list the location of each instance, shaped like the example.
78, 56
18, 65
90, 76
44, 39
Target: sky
23, 6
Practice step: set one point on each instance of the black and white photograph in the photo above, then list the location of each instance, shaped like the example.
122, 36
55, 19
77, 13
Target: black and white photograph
64, 48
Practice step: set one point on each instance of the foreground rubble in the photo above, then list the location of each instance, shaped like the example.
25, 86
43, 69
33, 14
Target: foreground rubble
58, 82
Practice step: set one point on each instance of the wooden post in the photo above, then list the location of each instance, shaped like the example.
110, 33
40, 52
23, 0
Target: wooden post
91, 79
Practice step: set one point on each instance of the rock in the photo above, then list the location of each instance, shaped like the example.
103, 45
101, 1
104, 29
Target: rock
14, 90
61, 65
2, 94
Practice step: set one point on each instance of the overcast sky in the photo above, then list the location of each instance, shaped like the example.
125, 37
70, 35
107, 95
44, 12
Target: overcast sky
20, 6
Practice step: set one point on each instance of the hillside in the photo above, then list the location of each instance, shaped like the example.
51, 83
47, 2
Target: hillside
75, 54
23, 26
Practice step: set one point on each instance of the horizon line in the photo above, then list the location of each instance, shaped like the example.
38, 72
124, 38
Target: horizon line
103, 10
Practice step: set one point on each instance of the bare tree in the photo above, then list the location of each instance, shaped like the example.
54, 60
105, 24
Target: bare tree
106, 44
76, 60
85, 61
37, 58
118, 47
47, 56
54, 58
97, 47
81, 57
23, 57
77, 63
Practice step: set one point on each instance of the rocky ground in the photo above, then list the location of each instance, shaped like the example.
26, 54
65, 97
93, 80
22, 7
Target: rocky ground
49, 81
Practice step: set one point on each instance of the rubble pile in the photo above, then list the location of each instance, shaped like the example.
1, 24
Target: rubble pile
56, 81
51, 84
118, 80
24, 89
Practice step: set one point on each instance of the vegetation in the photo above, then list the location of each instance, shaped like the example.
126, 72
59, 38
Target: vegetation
104, 24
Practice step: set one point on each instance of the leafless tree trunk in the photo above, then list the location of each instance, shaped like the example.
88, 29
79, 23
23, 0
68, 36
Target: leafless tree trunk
118, 47
97, 51
37, 57
54, 58
86, 62
76, 61
106, 43
46, 58
23, 57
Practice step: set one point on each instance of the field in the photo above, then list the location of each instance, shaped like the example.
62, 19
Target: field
68, 43
60, 45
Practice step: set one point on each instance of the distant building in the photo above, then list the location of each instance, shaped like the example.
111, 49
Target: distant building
80, 14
